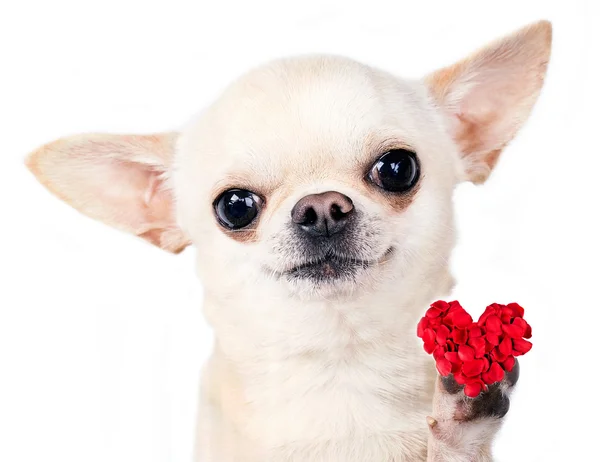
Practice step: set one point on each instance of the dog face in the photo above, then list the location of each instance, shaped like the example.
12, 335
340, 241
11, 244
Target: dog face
313, 177
319, 174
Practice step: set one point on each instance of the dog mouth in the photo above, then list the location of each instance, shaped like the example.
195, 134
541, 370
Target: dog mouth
333, 267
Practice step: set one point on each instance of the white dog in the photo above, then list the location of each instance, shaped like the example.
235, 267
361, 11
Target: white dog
318, 193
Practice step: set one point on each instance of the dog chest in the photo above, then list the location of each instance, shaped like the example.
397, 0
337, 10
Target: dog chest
317, 405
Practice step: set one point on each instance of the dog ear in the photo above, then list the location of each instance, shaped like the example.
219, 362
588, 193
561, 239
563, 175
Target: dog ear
489, 95
121, 180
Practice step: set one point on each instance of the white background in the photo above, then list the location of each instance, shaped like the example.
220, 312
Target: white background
101, 335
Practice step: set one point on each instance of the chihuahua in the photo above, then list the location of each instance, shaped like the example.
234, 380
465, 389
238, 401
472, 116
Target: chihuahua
318, 194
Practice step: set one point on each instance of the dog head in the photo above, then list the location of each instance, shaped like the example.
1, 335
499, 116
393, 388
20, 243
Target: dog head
312, 177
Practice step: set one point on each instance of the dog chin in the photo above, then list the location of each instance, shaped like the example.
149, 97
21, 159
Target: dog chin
331, 275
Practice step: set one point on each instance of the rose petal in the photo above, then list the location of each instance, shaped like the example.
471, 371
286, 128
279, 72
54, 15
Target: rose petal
462, 319
485, 377
460, 336
460, 378
527, 332
451, 346
478, 345
429, 335
423, 324
506, 314
429, 341
506, 346
473, 368
444, 366
435, 321
520, 322
433, 312
454, 305
524, 326
475, 331
442, 334
439, 352
513, 330
494, 374
473, 389
457, 316
522, 346
453, 357
441, 305
466, 353
509, 363
486, 314
517, 309
494, 325
497, 355
492, 338
486, 365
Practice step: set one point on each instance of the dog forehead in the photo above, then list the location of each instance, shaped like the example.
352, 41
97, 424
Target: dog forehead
295, 86
308, 111
300, 119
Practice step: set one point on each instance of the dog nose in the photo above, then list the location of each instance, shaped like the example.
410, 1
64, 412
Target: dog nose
323, 214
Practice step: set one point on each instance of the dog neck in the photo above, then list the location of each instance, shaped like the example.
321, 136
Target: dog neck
271, 326
276, 358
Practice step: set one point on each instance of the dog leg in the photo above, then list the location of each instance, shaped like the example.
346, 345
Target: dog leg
462, 429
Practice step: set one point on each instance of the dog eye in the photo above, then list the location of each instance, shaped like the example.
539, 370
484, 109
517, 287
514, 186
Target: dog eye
396, 171
237, 208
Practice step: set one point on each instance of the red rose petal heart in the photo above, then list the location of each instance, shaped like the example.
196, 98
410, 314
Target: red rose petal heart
477, 353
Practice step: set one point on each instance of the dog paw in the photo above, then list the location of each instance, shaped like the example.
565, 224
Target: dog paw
461, 422
492, 403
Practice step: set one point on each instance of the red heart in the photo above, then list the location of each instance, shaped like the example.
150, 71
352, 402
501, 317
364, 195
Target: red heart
477, 353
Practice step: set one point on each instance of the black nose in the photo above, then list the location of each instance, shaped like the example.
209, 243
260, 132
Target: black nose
323, 214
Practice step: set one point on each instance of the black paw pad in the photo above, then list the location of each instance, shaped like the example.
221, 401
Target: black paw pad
512, 377
492, 403
450, 385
